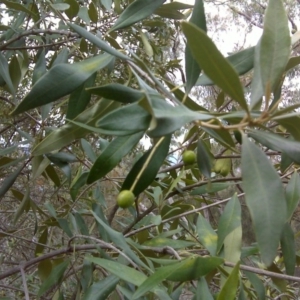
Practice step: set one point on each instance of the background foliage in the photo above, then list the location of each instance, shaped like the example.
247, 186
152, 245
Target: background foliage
103, 96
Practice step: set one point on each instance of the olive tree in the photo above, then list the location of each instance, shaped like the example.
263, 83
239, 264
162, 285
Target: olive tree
117, 182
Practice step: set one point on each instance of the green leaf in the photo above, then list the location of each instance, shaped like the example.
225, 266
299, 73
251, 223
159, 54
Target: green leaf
80, 98
292, 63
98, 42
44, 269
204, 158
88, 150
86, 276
60, 81
119, 240
64, 225
69, 132
121, 271
9, 181
291, 123
257, 284
192, 69
292, 193
229, 289
166, 12
189, 103
265, 199
125, 120
73, 10
61, 58
288, 249
230, 220
210, 188
164, 242
4, 73
274, 46
102, 289
195, 267
168, 118
206, 235
42, 241
60, 6
278, 143
222, 136
23, 207
242, 62
136, 11
18, 7
40, 66
112, 155
213, 63
203, 291
145, 169
232, 246
77, 184
54, 277
51, 173
117, 92
257, 90
81, 224
93, 13
15, 72
155, 279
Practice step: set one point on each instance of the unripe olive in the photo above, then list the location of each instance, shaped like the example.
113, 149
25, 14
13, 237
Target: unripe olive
189, 157
125, 199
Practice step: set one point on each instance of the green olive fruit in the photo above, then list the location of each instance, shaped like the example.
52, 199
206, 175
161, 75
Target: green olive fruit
223, 165
125, 199
189, 157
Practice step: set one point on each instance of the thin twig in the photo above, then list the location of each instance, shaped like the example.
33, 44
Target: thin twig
264, 272
106, 245
24, 282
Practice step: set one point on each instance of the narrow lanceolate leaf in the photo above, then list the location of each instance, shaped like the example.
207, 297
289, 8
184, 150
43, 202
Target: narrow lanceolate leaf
195, 267
117, 92
275, 44
169, 118
54, 277
204, 158
4, 73
101, 290
145, 169
121, 271
9, 181
229, 289
292, 195
112, 155
70, 132
230, 220
203, 291
192, 69
125, 120
60, 81
79, 98
265, 199
275, 142
242, 62
288, 249
257, 90
155, 279
213, 63
136, 11
206, 235
98, 42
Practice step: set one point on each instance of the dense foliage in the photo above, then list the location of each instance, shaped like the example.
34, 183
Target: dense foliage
106, 97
